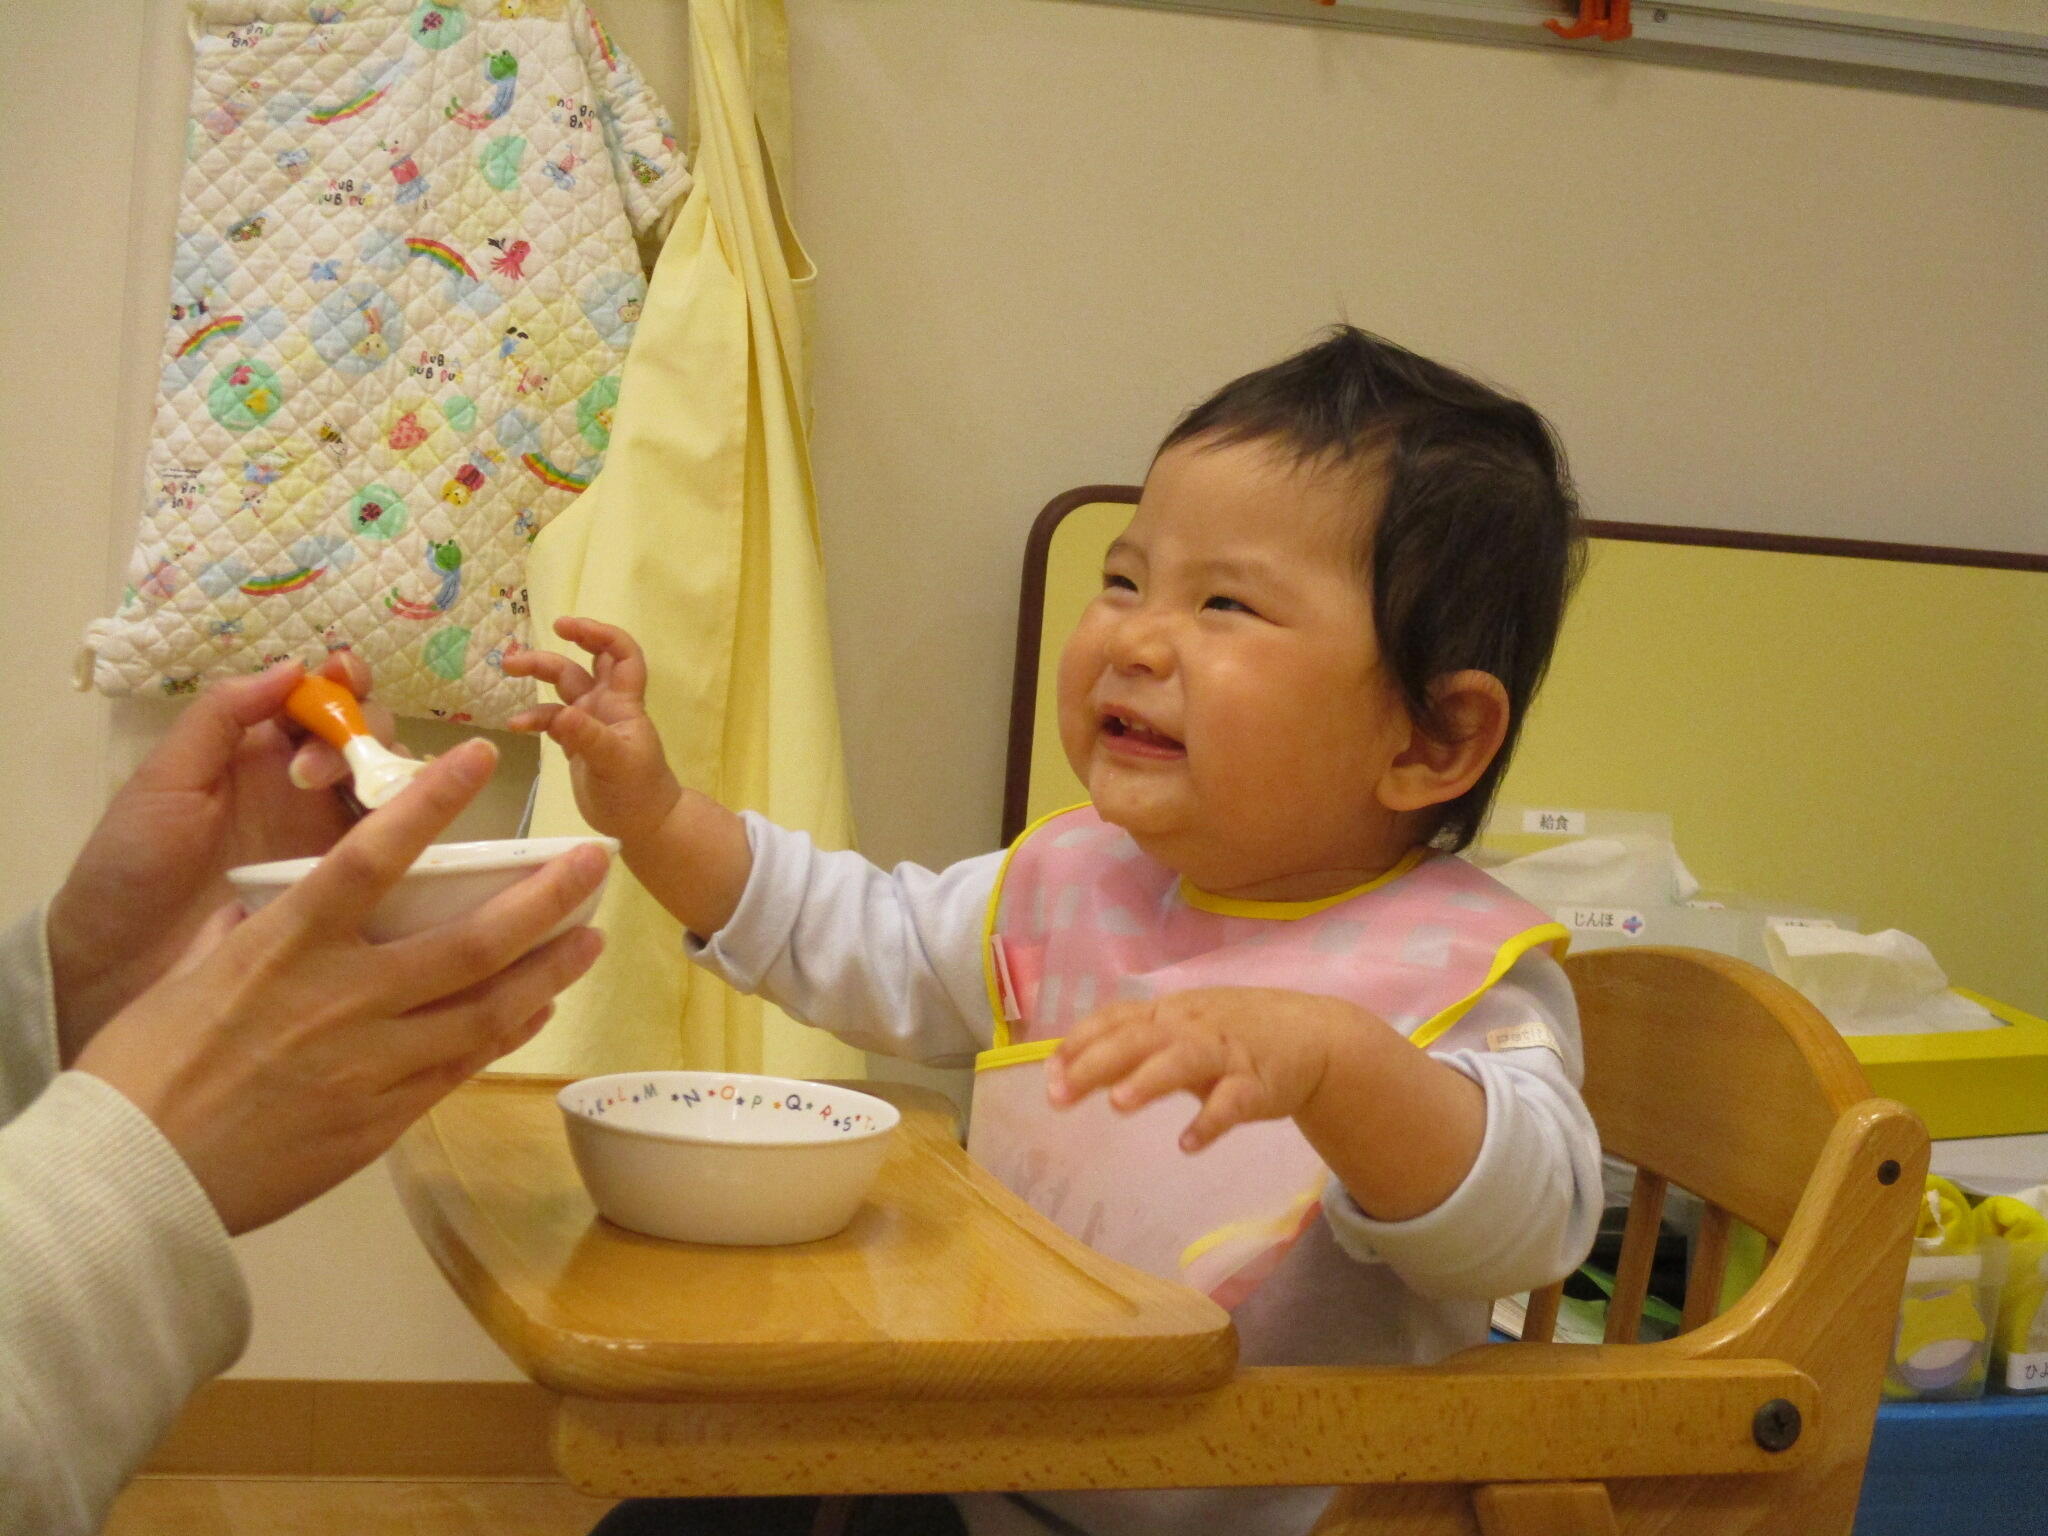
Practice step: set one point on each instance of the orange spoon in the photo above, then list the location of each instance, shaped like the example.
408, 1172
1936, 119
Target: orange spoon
331, 712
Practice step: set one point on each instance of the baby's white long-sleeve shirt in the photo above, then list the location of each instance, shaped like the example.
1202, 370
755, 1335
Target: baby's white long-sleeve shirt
891, 961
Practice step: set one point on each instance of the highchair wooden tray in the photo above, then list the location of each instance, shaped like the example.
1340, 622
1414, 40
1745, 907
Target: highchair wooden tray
944, 1286
950, 1339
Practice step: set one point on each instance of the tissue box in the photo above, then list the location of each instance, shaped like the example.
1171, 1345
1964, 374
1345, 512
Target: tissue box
1977, 1082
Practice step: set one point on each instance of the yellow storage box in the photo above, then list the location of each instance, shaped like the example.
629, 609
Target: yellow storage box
1976, 1082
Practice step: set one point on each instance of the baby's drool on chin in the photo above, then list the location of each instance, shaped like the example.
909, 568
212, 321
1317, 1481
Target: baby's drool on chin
1132, 738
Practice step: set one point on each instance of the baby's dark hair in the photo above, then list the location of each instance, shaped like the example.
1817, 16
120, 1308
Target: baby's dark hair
1476, 543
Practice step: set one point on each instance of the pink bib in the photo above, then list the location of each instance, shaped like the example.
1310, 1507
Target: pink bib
1082, 917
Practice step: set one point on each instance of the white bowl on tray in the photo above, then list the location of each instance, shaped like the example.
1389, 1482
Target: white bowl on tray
446, 881
726, 1157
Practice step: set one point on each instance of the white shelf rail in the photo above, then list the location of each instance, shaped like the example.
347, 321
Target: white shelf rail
1742, 34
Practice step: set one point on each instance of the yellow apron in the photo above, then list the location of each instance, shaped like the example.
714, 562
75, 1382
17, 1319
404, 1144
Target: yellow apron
700, 537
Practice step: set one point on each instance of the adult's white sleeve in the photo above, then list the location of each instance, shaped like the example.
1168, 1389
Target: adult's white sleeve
887, 960
119, 1293
1527, 1212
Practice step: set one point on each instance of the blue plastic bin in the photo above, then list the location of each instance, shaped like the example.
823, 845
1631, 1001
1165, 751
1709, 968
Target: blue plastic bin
1957, 1469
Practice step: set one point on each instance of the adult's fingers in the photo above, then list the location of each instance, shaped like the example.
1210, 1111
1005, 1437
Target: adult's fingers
204, 739
419, 1093
472, 1028
316, 765
346, 885
349, 670
456, 955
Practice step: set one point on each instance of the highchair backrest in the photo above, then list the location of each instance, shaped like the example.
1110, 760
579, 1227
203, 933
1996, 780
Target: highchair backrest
1712, 1077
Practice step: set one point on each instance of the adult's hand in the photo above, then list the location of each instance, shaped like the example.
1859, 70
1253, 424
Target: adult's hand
284, 1051
229, 784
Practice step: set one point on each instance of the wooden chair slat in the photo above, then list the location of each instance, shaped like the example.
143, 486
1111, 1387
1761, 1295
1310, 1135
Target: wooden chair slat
1708, 1267
1638, 1252
1543, 1509
1540, 1326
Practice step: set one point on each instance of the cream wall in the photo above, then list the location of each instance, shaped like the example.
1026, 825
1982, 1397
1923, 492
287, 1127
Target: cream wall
1044, 228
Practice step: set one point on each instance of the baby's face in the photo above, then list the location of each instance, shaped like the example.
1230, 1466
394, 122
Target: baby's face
1223, 697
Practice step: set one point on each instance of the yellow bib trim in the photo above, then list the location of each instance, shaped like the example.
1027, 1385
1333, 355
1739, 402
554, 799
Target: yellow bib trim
1274, 1225
988, 931
1552, 935
1288, 911
1015, 1055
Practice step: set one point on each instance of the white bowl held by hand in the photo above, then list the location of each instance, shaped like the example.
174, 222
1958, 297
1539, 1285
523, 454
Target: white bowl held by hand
446, 881
726, 1157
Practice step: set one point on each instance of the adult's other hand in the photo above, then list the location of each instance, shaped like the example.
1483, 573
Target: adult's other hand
284, 1051
230, 783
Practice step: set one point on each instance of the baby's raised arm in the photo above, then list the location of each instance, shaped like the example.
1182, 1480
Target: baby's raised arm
689, 851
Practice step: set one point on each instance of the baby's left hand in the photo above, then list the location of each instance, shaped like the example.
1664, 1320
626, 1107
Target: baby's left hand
1248, 1053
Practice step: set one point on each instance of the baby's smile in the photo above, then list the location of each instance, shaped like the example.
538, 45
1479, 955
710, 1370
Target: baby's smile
1129, 734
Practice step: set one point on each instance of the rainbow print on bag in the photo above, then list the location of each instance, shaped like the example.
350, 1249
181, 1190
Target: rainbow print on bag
442, 255
604, 44
542, 469
226, 325
288, 581
341, 111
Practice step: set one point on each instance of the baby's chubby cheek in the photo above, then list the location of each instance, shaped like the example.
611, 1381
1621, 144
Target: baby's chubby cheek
1077, 719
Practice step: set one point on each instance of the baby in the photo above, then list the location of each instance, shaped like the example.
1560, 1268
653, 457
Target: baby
1291, 703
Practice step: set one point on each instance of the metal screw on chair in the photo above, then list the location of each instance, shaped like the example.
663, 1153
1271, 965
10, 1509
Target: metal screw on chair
1776, 1425
1888, 1171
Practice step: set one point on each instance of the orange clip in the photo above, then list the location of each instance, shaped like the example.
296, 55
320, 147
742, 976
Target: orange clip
1604, 19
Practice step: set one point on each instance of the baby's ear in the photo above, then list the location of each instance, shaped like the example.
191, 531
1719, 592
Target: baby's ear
1472, 717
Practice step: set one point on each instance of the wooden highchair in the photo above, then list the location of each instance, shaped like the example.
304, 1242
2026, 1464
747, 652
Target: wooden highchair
952, 1340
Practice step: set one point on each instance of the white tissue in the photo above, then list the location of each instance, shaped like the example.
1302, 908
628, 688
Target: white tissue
1600, 872
1871, 983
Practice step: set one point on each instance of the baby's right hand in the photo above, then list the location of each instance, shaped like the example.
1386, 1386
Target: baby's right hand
623, 783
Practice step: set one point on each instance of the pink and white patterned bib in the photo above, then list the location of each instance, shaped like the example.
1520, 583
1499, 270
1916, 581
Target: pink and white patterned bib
1082, 917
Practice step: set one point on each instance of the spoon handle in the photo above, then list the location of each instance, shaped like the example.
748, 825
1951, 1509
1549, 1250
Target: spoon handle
328, 710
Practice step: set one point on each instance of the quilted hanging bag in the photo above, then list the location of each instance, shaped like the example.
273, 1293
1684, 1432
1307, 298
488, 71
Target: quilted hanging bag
403, 285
